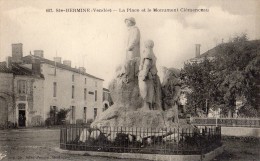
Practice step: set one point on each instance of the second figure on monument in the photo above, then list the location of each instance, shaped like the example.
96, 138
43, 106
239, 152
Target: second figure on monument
149, 82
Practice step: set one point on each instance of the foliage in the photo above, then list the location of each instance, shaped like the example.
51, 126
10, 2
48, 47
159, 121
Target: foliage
57, 117
199, 78
233, 73
61, 116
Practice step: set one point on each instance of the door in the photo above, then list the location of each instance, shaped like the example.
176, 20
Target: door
22, 118
21, 115
3, 112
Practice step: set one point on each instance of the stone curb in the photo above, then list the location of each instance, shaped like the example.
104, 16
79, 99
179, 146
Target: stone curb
157, 157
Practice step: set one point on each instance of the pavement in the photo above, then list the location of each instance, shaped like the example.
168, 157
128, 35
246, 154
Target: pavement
38, 144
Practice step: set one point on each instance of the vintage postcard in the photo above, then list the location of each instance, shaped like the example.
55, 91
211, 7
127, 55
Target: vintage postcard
129, 80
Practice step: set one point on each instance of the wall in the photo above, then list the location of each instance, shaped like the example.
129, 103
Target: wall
64, 99
6, 94
33, 100
38, 102
241, 131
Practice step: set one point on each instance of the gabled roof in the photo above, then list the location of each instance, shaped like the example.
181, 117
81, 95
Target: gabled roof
58, 65
16, 69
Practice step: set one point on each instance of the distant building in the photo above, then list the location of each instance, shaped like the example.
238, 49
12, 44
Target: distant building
60, 86
201, 57
21, 91
107, 99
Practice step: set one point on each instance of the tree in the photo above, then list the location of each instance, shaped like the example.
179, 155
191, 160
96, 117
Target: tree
237, 64
62, 115
233, 73
57, 117
199, 77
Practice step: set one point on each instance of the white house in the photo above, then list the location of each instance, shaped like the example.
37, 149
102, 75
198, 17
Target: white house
49, 85
69, 88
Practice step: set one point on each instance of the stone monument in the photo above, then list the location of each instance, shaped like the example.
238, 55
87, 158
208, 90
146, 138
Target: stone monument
139, 98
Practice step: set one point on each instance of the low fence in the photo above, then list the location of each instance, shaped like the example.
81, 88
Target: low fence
229, 122
140, 140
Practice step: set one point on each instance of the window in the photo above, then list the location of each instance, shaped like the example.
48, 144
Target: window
53, 114
72, 77
54, 89
95, 113
73, 114
85, 93
73, 90
95, 95
95, 84
85, 114
21, 86
85, 80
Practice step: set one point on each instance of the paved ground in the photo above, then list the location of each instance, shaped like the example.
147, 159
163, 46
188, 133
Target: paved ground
38, 144
240, 149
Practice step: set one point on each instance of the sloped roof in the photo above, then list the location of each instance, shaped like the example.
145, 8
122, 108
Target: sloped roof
212, 52
16, 69
4, 69
59, 65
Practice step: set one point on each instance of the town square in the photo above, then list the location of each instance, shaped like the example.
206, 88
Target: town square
104, 80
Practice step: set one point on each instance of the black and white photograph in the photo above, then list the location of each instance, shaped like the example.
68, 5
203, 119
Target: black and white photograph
113, 80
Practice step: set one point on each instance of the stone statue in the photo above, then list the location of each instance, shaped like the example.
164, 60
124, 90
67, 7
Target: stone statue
137, 92
171, 91
149, 82
130, 67
124, 88
133, 41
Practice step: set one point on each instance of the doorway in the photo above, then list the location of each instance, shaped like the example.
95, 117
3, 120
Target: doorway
21, 115
22, 118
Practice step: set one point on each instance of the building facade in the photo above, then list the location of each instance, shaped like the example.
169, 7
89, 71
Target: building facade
65, 88
21, 98
50, 85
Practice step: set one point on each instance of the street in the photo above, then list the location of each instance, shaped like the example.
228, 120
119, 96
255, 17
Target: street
36, 144
39, 143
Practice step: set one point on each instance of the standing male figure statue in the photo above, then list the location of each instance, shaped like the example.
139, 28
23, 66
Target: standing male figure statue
133, 41
130, 66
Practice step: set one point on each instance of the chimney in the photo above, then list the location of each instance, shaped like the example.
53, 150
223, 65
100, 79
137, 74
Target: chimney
38, 53
67, 62
82, 69
197, 50
36, 66
57, 59
17, 53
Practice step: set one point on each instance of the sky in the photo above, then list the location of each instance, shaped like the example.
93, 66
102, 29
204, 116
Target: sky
97, 40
